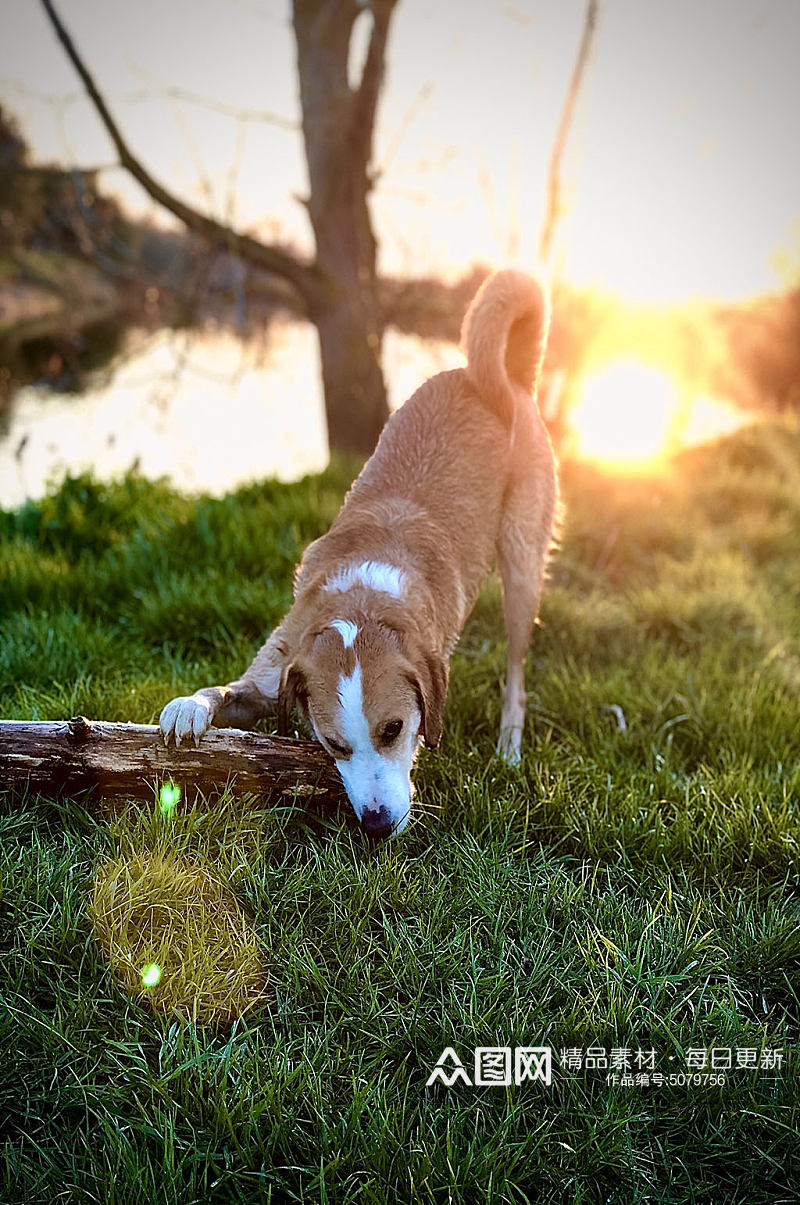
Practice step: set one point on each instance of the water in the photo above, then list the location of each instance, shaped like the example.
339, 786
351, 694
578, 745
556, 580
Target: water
210, 412
204, 409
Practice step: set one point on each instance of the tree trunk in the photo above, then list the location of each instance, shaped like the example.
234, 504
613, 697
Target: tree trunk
338, 122
352, 377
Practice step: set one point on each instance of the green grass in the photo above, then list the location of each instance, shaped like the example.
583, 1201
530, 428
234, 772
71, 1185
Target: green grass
633, 888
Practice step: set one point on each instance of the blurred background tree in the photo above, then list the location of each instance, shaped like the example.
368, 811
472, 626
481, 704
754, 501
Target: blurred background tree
338, 291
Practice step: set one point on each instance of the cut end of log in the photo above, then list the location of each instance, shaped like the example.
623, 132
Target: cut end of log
79, 728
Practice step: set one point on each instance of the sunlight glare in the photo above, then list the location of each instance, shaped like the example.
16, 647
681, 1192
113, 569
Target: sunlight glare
624, 416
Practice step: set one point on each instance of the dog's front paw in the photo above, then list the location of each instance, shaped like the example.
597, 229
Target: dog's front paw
185, 717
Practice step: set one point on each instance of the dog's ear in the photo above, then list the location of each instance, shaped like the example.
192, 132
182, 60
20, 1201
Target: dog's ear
292, 693
430, 679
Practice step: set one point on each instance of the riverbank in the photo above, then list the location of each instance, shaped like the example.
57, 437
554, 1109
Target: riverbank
48, 300
51, 290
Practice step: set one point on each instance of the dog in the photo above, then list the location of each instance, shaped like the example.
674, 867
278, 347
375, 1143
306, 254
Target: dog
463, 477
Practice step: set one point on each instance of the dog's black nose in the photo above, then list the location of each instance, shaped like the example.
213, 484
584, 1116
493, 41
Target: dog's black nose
377, 823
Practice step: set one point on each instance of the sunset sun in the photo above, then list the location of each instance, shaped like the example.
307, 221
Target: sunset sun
624, 418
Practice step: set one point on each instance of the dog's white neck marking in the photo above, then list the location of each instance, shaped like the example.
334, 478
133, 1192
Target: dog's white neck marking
375, 574
347, 630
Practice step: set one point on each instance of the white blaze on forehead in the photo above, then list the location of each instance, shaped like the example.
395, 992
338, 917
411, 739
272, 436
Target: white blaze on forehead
371, 779
375, 574
355, 727
347, 630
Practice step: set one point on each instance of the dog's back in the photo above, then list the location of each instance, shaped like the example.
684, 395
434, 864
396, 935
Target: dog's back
438, 475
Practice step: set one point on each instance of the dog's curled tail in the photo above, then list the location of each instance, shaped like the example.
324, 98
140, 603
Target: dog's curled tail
504, 337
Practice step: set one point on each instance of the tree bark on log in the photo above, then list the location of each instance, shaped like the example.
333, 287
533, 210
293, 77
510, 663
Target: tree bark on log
72, 756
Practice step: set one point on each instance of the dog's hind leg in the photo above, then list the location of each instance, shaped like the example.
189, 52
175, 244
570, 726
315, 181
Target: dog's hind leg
237, 705
522, 548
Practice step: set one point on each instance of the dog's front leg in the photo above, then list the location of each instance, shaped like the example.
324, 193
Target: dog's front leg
238, 705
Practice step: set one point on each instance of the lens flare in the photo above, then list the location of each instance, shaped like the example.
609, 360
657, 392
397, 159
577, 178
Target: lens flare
151, 975
170, 794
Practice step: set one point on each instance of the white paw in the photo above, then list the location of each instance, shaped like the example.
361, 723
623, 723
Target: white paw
185, 717
509, 746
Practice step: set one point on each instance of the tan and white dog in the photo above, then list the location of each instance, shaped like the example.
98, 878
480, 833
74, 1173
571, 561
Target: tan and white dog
463, 477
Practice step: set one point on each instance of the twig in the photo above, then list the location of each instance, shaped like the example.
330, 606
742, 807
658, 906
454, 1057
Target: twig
553, 212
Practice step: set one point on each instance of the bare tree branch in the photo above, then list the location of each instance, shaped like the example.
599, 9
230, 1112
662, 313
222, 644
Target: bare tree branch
306, 278
65, 99
554, 206
218, 106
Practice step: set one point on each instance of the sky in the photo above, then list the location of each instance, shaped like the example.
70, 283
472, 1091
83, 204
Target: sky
682, 175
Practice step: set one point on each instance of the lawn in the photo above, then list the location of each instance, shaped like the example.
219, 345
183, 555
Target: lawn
633, 887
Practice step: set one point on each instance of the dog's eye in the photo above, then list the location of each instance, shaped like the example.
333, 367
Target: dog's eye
339, 750
391, 731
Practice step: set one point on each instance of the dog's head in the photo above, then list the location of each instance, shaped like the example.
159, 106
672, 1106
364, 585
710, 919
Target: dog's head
370, 693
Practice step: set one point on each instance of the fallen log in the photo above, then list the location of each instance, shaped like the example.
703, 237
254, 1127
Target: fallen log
69, 757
